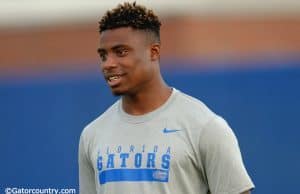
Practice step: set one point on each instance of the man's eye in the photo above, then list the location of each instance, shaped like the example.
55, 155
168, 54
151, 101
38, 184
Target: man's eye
122, 52
102, 56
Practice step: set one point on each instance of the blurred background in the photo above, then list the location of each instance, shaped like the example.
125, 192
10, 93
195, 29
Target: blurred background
241, 58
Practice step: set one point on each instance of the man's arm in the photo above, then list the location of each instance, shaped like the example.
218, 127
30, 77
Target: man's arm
222, 159
86, 172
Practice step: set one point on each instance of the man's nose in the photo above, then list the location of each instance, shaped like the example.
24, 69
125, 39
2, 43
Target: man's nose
109, 63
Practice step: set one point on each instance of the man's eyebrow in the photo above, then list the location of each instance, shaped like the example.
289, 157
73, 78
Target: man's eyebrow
100, 50
118, 46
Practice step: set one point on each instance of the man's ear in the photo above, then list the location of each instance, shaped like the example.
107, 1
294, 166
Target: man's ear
155, 51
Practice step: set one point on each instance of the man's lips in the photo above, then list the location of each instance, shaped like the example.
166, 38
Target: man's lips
113, 79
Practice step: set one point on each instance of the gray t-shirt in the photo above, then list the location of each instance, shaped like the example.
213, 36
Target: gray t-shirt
180, 148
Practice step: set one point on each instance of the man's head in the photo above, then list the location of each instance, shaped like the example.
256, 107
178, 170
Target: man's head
131, 15
130, 48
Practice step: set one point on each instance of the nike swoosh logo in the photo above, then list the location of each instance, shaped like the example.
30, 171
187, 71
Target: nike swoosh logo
170, 130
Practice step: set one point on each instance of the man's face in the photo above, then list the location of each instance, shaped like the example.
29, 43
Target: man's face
126, 60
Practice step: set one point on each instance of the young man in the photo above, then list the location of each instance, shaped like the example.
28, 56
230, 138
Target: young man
155, 139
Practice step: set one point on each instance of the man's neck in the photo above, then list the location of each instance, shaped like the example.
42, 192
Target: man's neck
146, 101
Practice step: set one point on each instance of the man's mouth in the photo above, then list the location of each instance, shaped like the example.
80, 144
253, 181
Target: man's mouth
114, 80
114, 77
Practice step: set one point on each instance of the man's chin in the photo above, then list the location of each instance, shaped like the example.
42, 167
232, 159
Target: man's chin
117, 92
121, 91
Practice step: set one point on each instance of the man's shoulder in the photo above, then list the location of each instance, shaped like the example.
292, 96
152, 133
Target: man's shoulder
101, 120
192, 109
192, 104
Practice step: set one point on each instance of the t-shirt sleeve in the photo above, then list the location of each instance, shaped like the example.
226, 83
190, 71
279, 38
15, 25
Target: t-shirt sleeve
222, 160
86, 172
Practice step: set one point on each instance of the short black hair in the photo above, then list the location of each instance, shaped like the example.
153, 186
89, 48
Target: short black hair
131, 15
